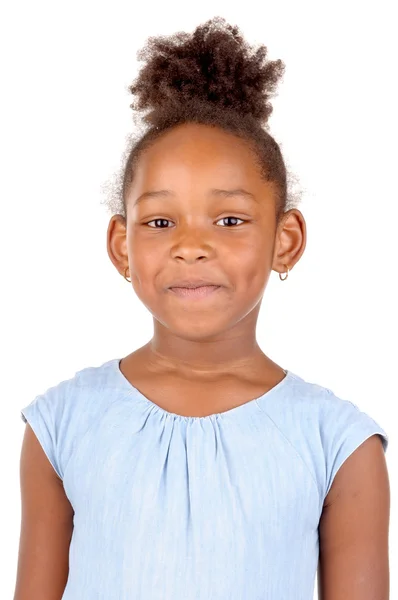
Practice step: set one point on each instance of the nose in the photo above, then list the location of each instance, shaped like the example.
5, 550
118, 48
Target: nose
192, 244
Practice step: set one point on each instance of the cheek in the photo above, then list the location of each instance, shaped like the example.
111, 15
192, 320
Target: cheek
145, 263
249, 264
245, 266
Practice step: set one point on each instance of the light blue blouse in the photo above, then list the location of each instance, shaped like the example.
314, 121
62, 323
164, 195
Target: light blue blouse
169, 507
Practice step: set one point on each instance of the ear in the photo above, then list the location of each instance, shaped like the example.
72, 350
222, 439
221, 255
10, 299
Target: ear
290, 240
117, 242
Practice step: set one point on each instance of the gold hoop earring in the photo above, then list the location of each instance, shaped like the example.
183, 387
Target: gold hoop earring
125, 271
287, 274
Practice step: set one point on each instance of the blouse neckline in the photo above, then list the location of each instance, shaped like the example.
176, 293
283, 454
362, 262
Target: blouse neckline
246, 407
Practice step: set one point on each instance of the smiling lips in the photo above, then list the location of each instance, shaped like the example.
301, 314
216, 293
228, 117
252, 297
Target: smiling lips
193, 282
195, 288
194, 293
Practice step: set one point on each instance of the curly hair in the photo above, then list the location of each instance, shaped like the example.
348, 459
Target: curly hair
212, 77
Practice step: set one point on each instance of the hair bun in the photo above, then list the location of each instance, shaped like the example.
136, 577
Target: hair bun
213, 65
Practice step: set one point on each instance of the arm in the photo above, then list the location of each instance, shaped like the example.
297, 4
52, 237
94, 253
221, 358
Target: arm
46, 526
353, 529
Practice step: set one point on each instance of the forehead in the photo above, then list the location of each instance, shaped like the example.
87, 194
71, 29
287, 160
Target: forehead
200, 156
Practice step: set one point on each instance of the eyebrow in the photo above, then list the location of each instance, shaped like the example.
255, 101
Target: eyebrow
214, 192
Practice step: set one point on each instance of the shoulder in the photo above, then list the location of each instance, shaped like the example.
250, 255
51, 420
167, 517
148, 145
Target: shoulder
353, 442
61, 414
334, 418
75, 395
324, 428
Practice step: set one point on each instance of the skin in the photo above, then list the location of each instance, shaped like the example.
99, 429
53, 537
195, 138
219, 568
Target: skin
46, 526
208, 350
214, 340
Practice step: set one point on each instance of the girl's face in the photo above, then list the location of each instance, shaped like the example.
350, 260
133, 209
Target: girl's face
197, 226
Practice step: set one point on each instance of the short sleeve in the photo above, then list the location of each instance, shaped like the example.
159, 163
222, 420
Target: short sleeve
43, 415
344, 428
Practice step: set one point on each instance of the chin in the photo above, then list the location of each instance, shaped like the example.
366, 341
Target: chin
196, 329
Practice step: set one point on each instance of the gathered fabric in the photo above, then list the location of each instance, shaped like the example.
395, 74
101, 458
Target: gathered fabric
170, 507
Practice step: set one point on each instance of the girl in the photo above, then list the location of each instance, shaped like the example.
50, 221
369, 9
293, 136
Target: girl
197, 468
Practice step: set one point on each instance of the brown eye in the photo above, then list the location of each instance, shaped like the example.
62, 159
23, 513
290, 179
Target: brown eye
158, 221
233, 218
163, 221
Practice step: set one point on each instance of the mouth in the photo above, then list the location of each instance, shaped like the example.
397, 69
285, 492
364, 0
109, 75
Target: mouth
196, 293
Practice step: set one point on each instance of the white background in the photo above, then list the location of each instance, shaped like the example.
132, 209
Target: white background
64, 117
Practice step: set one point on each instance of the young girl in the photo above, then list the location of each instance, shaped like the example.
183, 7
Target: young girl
197, 468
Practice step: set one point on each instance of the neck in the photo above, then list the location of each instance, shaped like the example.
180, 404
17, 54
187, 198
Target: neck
230, 352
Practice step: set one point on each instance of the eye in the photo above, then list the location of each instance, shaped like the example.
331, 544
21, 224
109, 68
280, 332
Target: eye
231, 217
157, 221
167, 221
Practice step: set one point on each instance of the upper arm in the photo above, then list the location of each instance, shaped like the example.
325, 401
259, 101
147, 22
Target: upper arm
46, 526
353, 529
